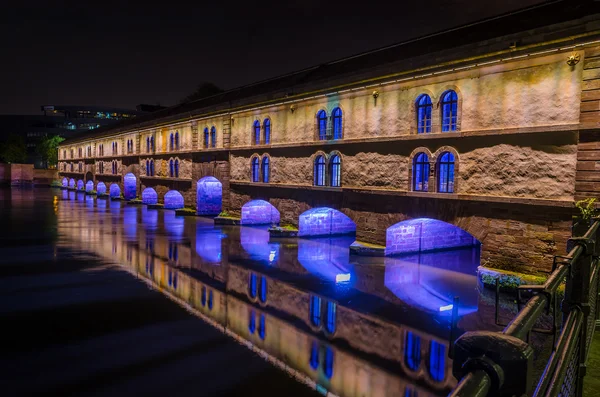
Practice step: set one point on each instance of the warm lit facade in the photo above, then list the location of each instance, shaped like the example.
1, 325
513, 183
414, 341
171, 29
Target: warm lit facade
497, 139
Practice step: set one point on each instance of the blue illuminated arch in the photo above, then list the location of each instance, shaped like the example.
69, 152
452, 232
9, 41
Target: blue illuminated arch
322, 124
173, 200
267, 128
265, 169
129, 186
421, 173
89, 186
319, 171
209, 196
80, 184
425, 235
324, 221
259, 212
101, 188
149, 196
65, 182
335, 171
424, 107
446, 173
255, 169
114, 190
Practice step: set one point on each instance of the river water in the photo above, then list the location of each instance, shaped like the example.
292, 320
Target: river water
87, 281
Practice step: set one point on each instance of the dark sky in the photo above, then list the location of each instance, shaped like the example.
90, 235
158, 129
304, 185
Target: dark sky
125, 53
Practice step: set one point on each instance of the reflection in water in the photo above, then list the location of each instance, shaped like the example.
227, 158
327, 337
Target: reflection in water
287, 309
255, 241
430, 281
327, 258
101, 203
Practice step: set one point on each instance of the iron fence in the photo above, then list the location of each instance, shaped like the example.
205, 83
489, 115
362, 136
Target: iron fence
501, 363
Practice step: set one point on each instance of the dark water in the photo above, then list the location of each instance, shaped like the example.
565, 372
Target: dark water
88, 287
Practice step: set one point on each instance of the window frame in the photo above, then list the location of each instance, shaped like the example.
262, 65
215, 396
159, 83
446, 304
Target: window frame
424, 110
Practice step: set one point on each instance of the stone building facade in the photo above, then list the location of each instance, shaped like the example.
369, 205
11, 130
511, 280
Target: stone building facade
520, 132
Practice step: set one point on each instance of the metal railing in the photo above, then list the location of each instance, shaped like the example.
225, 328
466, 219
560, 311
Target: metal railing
501, 363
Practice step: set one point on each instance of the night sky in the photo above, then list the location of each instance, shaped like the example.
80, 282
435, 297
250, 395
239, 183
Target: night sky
125, 53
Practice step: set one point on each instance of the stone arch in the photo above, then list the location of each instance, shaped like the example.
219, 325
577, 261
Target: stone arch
459, 103
114, 190
173, 200
65, 182
101, 188
325, 221
209, 196
259, 212
80, 184
433, 183
411, 159
89, 176
89, 186
72, 183
129, 186
413, 110
149, 196
426, 235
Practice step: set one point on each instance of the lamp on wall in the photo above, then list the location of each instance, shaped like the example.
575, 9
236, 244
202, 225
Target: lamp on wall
573, 59
292, 107
375, 96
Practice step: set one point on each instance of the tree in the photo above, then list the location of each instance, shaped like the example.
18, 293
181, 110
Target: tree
203, 90
47, 149
13, 150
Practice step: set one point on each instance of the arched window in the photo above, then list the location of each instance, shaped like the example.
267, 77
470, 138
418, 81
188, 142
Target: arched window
328, 363
151, 143
449, 111
148, 167
206, 137
412, 351
262, 327
148, 144
152, 167
263, 289
80, 155
446, 173
335, 168
177, 140
255, 170
315, 311
314, 355
116, 148
171, 139
331, 317
203, 296
171, 168
251, 321
71, 167
421, 173
252, 286
210, 299
176, 168
265, 169
322, 124
319, 171
267, 128
257, 132
437, 361
213, 137
423, 114
336, 119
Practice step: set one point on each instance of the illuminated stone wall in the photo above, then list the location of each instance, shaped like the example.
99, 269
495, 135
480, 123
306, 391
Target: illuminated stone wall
259, 212
324, 221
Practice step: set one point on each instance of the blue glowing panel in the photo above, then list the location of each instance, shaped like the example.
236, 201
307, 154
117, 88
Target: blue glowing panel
115, 190
80, 184
101, 203
255, 242
430, 281
174, 225
65, 194
89, 202
101, 188
259, 212
424, 235
89, 186
71, 195
208, 244
129, 186
65, 182
72, 183
149, 196
115, 206
327, 258
173, 200
149, 218
325, 221
209, 196
130, 221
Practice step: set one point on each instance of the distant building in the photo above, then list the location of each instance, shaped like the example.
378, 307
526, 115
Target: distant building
66, 121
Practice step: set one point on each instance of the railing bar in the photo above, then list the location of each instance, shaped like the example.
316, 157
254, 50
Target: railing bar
563, 339
473, 384
565, 354
527, 317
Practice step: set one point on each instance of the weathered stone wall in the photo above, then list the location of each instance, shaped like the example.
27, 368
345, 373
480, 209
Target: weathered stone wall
44, 177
